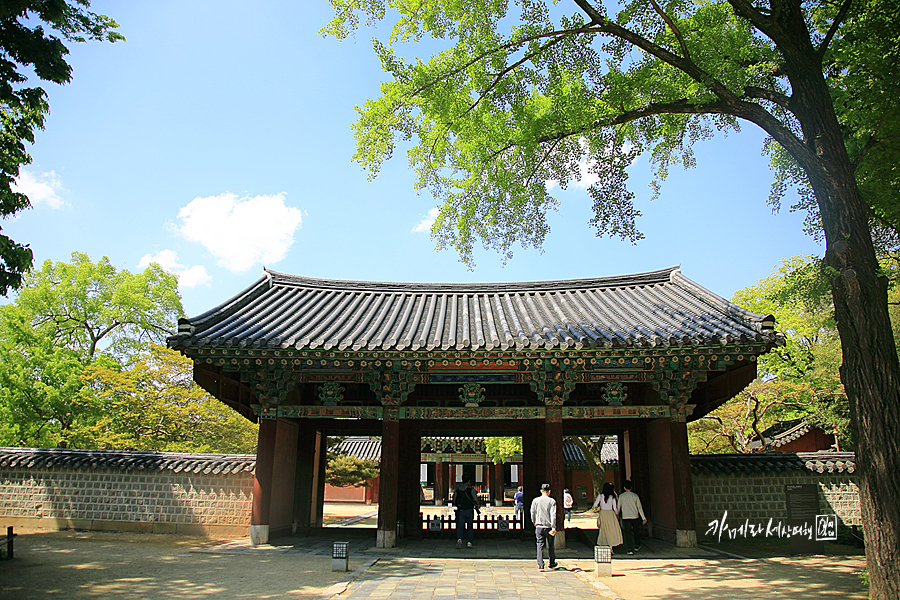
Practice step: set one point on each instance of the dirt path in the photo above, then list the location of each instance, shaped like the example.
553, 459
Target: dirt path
139, 566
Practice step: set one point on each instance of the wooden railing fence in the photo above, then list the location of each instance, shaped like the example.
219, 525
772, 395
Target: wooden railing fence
494, 525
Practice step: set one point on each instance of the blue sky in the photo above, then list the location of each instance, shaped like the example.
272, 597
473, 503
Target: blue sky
216, 140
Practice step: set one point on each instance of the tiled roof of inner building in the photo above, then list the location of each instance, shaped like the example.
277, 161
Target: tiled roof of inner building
823, 461
659, 308
369, 448
574, 457
125, 460
364, 448
783, 433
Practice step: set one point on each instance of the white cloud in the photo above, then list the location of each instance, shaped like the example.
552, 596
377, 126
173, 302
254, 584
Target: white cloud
588, 178
427, 221
194, 276
168, 260
41, 188
241, 232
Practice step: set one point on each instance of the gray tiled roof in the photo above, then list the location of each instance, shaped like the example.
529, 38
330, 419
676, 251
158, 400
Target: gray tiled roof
820, 462
125, 460
369, 448
574, 457
783, 433
659, 308
364, 448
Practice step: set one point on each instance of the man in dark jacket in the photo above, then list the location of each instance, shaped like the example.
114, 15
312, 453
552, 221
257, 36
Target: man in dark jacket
466, 502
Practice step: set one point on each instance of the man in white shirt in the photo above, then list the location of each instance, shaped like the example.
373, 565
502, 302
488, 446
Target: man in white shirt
632, 517
568, 503
543, 515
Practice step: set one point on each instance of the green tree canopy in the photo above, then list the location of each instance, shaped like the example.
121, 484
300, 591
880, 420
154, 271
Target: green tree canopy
86, 306
501, 449
528, 91
26, 46
528, 94
42, 403
798, 380
153, 404
65, 317
343, 470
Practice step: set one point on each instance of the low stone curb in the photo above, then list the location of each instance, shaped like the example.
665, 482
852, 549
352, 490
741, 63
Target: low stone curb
352, 520
601, 588
339, 587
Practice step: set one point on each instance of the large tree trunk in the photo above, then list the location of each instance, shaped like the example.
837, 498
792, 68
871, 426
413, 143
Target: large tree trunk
591, 450
870, 370
871, 377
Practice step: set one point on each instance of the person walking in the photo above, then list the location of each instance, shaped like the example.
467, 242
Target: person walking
632, 517
608, 521
568, 503
466, 502
543, 515
519, 501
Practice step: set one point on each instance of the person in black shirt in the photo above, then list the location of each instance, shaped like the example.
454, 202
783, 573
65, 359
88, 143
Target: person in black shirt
466, 502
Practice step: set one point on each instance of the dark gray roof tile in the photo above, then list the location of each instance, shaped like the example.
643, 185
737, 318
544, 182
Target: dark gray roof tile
124, 460
659, 308
820, 462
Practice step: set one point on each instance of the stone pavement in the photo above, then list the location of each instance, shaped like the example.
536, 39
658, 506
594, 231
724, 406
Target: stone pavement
433, 569
472, 579
502, 569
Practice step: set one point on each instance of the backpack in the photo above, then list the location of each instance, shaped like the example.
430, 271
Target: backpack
466, 499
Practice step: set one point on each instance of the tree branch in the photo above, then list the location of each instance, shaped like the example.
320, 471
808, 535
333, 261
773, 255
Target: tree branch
746, 9
683, 64
549, 151
673, 27
746, 110
772, 96
509, 69
835, 25
590, 11
557, 34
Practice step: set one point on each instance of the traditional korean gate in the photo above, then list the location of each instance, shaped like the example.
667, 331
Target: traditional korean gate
638, 354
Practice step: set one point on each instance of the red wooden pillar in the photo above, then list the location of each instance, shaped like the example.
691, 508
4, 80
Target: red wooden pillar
685, 526
317, 517
305, 492
386, 536
672, 497
497, 484
640, 468
410, 460
555, 469
262, 482
284, 470
439, 479
530, 478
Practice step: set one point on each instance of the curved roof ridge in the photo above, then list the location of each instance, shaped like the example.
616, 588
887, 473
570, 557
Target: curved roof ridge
719, 302
640, 310
233, 304
647, 278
